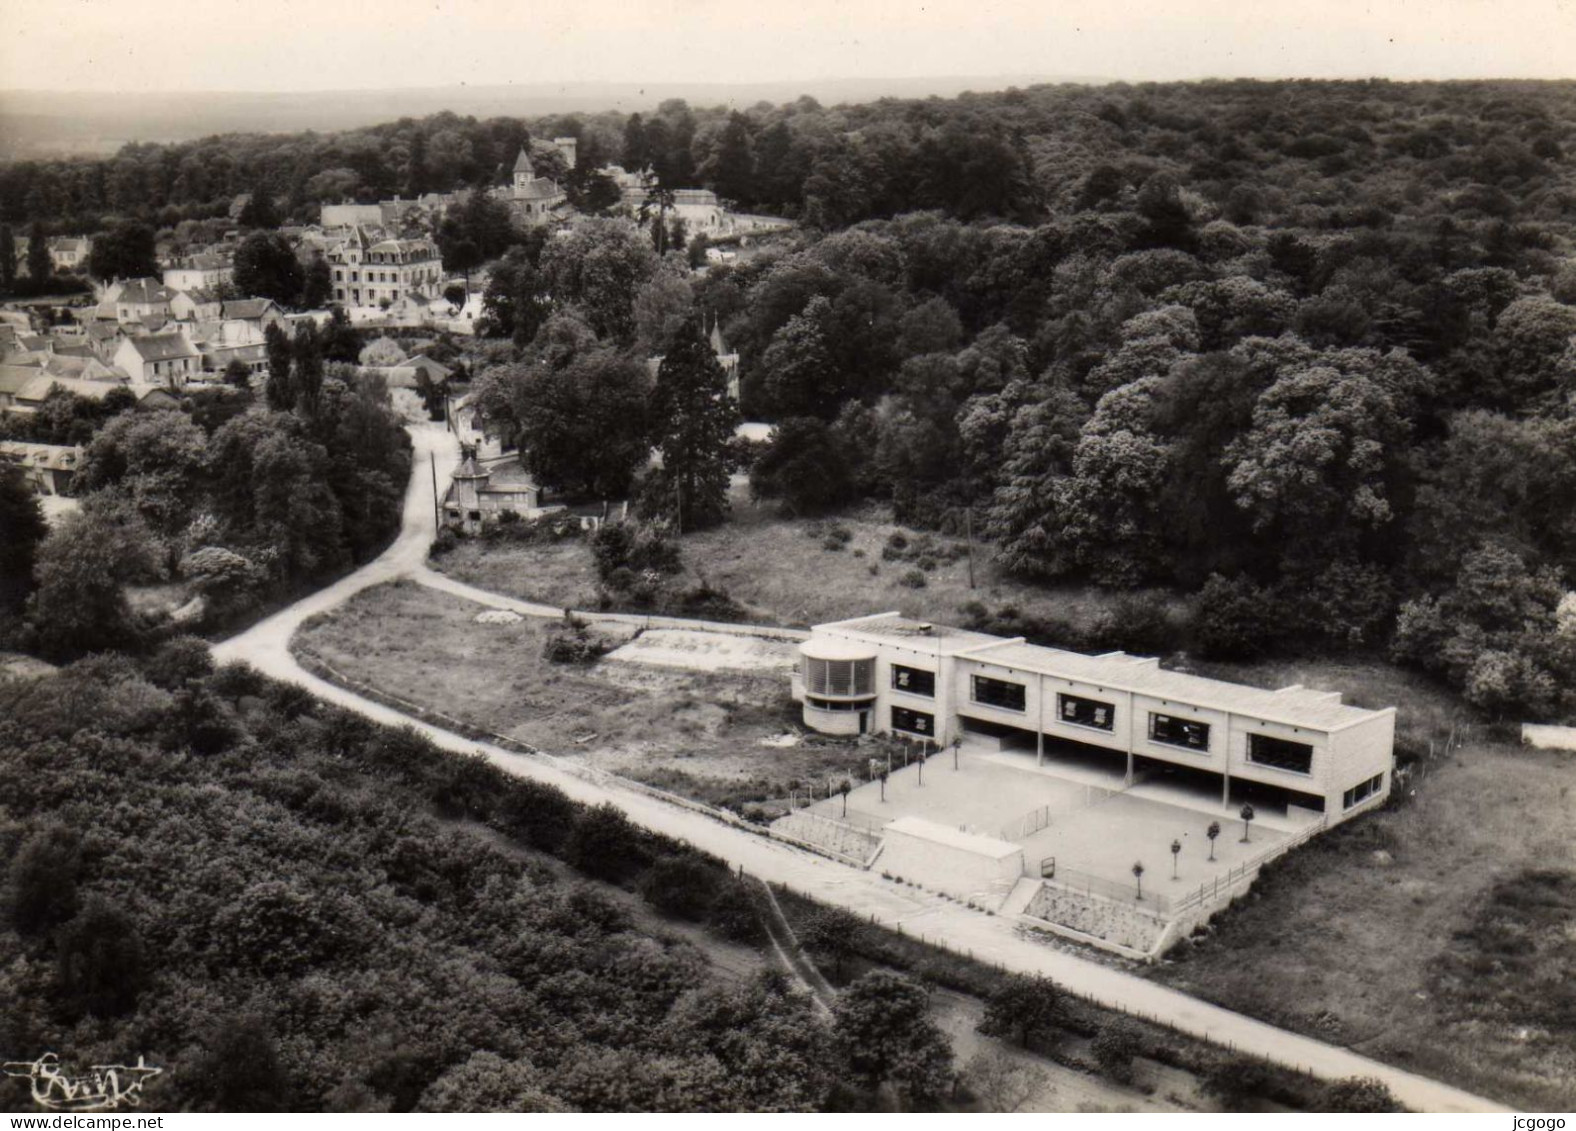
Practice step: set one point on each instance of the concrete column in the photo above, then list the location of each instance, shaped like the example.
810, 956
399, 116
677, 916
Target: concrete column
1128, 779
1039, 725
1225, 788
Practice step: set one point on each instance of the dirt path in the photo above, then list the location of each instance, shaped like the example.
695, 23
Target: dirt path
792, 956
266, 647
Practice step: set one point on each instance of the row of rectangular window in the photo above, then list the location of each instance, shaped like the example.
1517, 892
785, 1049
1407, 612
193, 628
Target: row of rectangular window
1169, 730
1362, 791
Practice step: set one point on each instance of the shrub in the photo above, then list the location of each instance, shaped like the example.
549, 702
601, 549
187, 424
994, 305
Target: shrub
445, 541
41, 888
1239, 1082
573, 642
1023, 1008
914, 579
1136, 622
1114, 1048
681, 885
734, 915
1237, 620
100, 959
540, 814
637, 547
604, 844
177, 662
1359, 1094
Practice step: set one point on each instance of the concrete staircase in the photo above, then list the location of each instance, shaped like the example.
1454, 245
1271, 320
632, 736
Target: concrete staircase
1021, 895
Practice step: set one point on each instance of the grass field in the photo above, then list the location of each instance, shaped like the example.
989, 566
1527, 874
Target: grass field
1396, 934
782, 572
697, 733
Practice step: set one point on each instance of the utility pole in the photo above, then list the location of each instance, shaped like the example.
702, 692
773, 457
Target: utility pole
437, 522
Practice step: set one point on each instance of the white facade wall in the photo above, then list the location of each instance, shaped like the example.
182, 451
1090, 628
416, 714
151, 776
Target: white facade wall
1359, 752
922, 850
1340, 759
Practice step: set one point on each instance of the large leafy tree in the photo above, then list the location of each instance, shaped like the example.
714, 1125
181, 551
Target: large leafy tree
1036, 461
83, 567
260, 210
39, 263
22, 519
578, 410
599, 269
157, 459
693, 423
266, 267
885, 1034
1501, 477
7, 259
805, 465
1314, 472
126, 251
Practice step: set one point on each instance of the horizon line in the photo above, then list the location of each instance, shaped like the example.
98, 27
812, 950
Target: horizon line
1011, 79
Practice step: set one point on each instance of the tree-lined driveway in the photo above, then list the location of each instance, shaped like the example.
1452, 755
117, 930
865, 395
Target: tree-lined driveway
266, 646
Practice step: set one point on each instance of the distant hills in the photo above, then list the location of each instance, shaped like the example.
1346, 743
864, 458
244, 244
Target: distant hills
58, 123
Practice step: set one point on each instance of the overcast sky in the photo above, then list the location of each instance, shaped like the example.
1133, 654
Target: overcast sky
274, 45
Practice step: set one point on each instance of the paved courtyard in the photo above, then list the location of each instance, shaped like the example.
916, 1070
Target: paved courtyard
1094, 828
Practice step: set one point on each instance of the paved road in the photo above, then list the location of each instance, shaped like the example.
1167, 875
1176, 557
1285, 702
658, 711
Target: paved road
266, 647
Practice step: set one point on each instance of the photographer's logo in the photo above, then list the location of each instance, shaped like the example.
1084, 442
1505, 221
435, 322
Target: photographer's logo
103, 1087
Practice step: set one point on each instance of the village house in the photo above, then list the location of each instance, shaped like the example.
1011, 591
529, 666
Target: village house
195, 305
479, 492
205, 270
368, 272
136, 302
160, 359
259, 313
69, 254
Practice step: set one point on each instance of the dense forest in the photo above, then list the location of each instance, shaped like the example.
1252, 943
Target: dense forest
292, 909
1302, 349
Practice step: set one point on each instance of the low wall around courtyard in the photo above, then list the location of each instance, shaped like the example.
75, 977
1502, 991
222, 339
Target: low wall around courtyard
1131, 927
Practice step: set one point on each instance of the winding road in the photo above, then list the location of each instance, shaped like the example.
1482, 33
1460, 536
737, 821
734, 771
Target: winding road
266, 646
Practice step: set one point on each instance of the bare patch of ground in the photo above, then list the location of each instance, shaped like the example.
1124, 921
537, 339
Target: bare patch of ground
713, 735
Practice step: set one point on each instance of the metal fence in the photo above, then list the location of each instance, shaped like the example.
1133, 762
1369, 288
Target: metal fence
1086, 883
1020, 828
1161, 903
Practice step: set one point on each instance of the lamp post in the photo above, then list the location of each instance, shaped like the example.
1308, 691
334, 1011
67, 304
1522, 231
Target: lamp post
1176, 849
919, 760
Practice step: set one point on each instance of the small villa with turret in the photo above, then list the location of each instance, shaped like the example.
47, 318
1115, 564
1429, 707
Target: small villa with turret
480, 491
532, 198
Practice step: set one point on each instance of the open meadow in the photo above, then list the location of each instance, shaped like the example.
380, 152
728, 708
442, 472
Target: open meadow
794, 572
1438, 933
